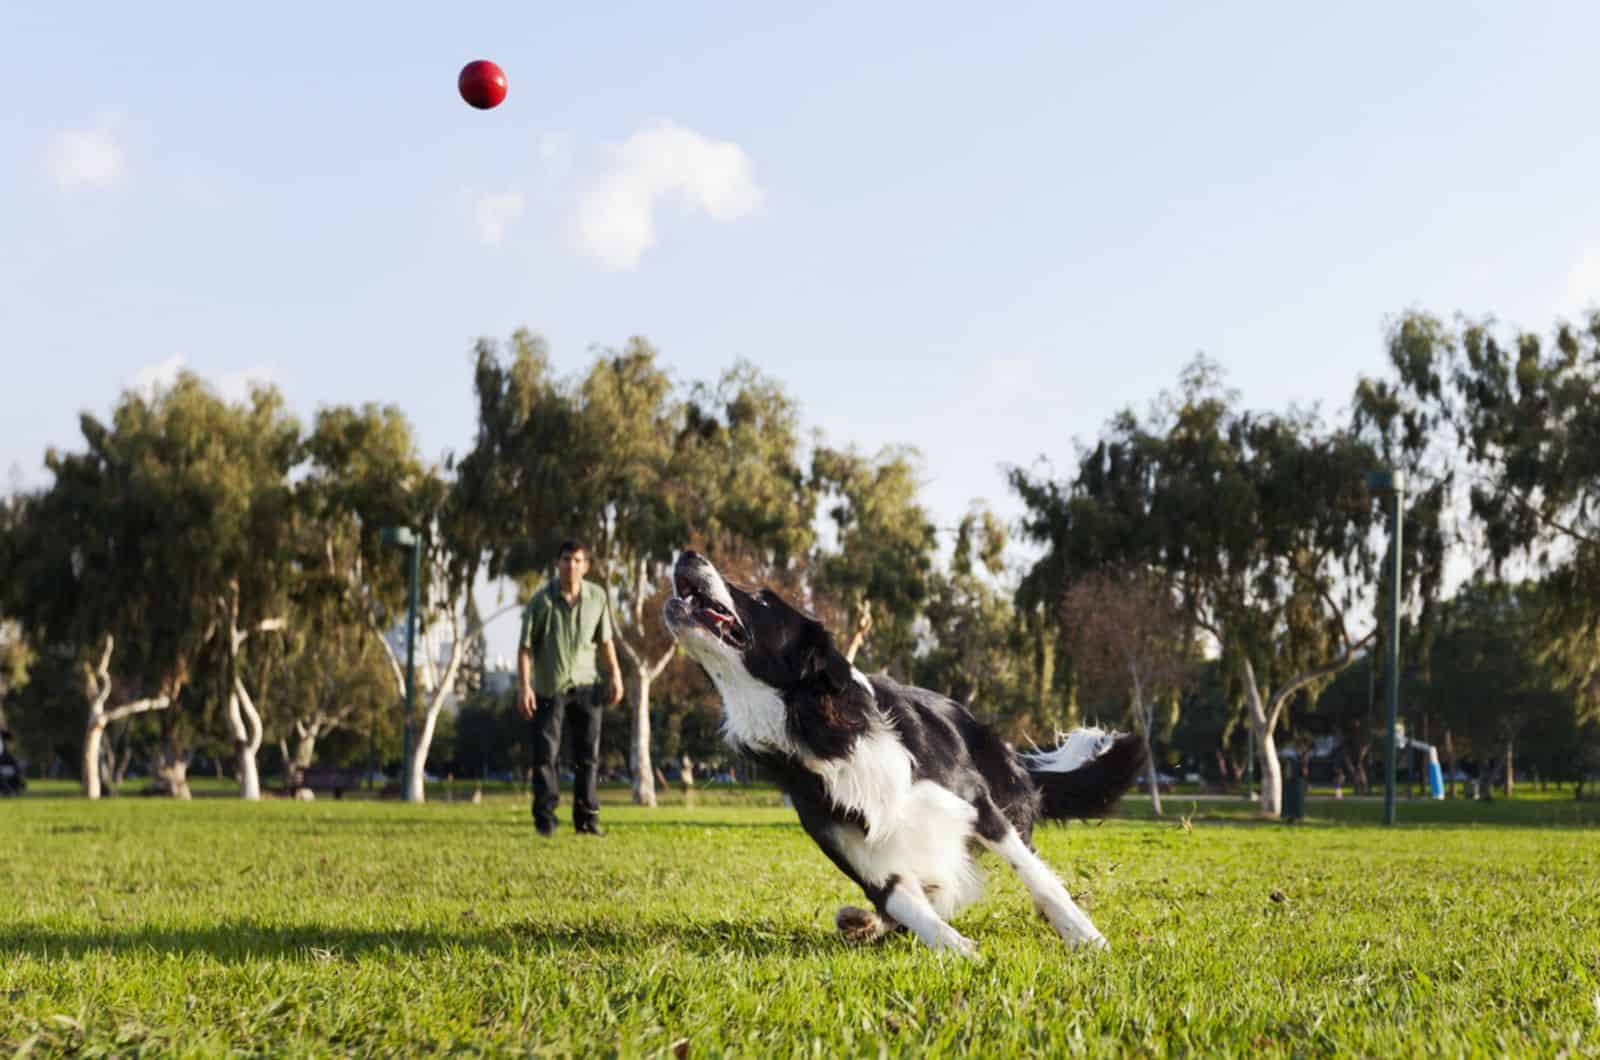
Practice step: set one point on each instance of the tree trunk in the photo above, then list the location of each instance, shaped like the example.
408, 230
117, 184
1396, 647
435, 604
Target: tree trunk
1271, 774
93, 733
97, 688
413, 771
172, 772
305, 747
644, 781
1450, 755
1266, 747
416, 769
1150, 773
245, 721
863, 627
1510, 780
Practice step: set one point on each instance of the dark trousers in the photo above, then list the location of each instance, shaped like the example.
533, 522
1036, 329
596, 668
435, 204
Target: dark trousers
582, 706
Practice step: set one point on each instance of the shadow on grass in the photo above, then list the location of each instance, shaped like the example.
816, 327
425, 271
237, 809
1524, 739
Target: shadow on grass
243, 940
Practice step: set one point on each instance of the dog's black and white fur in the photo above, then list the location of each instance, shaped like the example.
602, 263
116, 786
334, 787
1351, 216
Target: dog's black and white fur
897, 785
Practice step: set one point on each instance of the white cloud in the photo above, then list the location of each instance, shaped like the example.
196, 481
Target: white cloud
614, 223
160, 375
494, 213
234, 386
86, 158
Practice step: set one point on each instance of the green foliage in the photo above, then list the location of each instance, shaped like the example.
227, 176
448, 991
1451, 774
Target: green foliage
1260, 523
1525, 415
884, 543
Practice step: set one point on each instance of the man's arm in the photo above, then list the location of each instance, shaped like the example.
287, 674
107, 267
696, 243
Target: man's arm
616, 671
525, 698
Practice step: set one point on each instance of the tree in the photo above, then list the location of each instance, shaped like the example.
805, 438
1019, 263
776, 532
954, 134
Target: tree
591, 461
1261, 522
1488, 682
1130, 644
975, 650
143, 535
631, 419
365, 474
1525, 414
883, 545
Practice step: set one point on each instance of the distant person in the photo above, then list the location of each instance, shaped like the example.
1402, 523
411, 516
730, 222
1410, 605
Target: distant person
11, 780
562, 625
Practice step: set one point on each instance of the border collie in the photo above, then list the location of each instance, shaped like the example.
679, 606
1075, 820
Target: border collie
897, 785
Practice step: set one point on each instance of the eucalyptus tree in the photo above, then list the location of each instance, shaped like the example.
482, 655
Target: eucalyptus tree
1523, 412
365, 474
167, 524
1260, 524
588, 460
882, 554
974, 649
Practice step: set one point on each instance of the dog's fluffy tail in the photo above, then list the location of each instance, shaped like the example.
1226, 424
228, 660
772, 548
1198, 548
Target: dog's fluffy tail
1087, 774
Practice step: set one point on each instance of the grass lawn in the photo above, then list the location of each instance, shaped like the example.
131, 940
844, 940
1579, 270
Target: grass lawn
367, 927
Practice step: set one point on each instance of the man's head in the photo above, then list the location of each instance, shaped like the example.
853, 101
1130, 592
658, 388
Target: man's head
572, 563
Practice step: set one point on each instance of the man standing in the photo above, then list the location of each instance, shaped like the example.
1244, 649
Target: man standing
561, 626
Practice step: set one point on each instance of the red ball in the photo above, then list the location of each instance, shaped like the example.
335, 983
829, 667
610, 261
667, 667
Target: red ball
482, 84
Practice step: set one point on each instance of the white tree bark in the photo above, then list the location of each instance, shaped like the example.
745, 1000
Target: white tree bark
645, 672
244, 720
97, 686
863, 627
412, 783
1264, 725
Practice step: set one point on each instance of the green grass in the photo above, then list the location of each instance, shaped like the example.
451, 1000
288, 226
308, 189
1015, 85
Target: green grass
367, 927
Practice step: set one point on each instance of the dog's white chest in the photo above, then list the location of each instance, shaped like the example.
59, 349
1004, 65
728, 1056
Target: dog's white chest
752, 712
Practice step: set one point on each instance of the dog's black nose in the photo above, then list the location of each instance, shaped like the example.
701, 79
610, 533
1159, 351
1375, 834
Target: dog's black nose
689, 555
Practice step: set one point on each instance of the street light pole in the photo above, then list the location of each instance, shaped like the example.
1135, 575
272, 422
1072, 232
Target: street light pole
1393, 483
404, 537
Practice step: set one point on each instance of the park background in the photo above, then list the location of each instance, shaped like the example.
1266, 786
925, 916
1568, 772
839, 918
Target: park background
1045, 355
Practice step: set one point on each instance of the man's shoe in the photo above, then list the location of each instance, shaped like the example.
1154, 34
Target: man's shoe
590, 829
545, 828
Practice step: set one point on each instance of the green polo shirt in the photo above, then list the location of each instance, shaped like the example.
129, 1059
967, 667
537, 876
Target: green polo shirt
560, 637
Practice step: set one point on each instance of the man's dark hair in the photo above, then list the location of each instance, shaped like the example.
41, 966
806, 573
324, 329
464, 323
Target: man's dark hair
570, 546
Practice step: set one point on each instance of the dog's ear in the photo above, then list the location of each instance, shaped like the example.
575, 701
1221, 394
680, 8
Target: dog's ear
824, 663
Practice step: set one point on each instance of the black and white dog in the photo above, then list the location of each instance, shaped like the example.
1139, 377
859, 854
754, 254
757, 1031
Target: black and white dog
896, 784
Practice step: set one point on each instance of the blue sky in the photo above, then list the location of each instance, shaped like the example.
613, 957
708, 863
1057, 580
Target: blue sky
977, 235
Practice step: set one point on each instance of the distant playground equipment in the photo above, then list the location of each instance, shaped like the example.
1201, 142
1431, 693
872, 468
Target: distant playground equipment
1435, 774
1430, 753
1296, 779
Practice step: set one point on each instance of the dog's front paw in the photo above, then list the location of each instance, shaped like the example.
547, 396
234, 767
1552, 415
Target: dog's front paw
1095, 942
952, 941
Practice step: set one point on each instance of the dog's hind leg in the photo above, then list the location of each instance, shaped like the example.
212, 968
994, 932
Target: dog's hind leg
1050, 896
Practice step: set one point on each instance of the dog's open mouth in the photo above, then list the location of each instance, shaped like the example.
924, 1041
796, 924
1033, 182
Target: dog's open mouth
712, 615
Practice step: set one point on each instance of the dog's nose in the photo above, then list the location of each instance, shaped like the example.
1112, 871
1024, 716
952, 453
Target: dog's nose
689, 555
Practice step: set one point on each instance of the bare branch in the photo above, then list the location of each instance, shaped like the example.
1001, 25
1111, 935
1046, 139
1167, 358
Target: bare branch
138, 706
661, 663
1299, 681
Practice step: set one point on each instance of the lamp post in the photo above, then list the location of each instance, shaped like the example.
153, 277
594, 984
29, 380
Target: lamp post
1393, 483
405, 537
